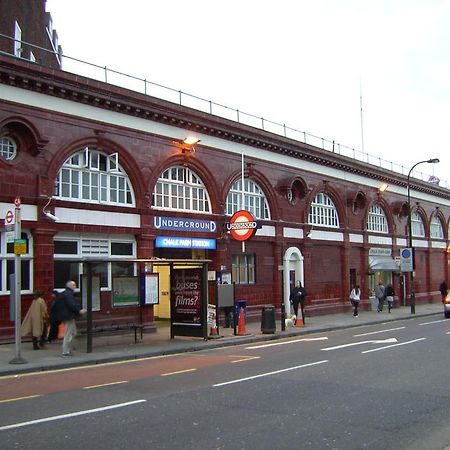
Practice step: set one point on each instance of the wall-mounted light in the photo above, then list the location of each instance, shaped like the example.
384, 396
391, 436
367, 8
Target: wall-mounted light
188, 144
383, 187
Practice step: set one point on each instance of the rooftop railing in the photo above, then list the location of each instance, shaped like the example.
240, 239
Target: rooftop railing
147, 87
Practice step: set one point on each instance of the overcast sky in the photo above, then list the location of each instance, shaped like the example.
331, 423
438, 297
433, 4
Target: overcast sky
304, 63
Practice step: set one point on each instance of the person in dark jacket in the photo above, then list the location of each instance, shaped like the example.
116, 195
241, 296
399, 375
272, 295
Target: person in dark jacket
443, 288
54, 321
68, 311
297, 297
389, 293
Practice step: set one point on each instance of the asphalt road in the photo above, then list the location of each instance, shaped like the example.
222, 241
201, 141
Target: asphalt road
376, 387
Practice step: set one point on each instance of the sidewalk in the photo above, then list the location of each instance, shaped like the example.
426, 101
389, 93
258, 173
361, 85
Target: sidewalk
122, 347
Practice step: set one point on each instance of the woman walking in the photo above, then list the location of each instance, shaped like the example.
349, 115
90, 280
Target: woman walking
355, 297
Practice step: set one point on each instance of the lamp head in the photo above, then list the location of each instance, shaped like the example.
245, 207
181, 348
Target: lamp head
433, 160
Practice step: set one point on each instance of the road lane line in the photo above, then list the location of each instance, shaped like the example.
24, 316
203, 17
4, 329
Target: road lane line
20, 398
178, 372
394, 345
66, 416
105, 384
253, 347
434, 321
244, 358
352, 344
377, 332
275, 372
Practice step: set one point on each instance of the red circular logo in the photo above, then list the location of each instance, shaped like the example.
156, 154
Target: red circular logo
9, 218
242, 225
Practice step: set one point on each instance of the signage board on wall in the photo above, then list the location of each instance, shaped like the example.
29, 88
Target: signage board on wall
184, 224
407, 259
185, 242
242, 225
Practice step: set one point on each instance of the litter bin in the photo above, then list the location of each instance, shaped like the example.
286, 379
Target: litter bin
268, 320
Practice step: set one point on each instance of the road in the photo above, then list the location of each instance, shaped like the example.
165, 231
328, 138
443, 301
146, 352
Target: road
376, 387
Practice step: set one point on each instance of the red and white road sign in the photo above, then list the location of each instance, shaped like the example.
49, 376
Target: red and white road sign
9, 218
242, 225
17, 202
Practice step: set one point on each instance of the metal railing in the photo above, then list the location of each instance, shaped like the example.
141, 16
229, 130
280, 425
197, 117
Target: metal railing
146, 87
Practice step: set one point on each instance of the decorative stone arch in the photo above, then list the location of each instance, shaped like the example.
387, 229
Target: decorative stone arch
437, 213
258, 178
387, 212
423, 215
294, 190
198, 168
326, 189
106, 146
293, 260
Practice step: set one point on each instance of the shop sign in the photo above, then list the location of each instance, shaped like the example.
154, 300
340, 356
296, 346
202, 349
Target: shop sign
242, 225
183, 224
20, 246
376, 251
185, 242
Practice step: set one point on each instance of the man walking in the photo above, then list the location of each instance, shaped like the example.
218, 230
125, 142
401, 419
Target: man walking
68, 311
380, 295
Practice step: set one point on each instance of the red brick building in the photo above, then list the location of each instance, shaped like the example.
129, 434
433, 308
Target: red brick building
110, 164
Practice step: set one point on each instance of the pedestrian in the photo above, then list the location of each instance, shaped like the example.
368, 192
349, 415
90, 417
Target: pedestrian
389, 291
297, 297
35, 321
355, 297
444, 289
68, 311
54, 321
380, 295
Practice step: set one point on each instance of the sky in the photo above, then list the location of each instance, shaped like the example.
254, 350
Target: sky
309, 64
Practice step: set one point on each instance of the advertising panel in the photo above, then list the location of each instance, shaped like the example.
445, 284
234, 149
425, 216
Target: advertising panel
186, 287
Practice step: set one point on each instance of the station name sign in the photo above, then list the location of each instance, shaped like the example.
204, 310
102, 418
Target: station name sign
185, 242
182, 224
242, 225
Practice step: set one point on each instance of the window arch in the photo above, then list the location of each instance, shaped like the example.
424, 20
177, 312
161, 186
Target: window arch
8, 148
417, 226
323, 211
255, 200
94, 177
436, 230
179, 188
376, 219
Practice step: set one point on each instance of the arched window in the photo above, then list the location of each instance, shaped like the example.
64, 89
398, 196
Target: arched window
181, 189
254, 199
8, 148
417, 225
94, 177
323, 212
436, 230
376, 220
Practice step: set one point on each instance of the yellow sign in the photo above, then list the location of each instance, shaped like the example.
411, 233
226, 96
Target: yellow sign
20, 246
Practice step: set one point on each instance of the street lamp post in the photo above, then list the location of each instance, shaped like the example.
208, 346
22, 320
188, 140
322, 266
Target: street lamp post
412, 293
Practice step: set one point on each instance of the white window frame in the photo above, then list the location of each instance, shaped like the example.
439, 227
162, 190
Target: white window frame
417, 226
436, 230
243, 268
180, 189
323, 212
5, 257
377, 220
101, 242
255, 200
8, 148
82, 179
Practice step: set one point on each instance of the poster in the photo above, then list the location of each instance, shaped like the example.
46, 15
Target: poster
125, 291
187, 297
151, 289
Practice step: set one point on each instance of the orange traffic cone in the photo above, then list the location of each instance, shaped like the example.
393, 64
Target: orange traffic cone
298, 322
241, 324
213, 331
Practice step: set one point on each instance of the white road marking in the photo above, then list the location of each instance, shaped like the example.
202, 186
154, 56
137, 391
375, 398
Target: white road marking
285, 342
269, 373
20, 398
377, 332
105, 384
434, 321
243, 358
375, 341
395, 345
177, 372
67, 416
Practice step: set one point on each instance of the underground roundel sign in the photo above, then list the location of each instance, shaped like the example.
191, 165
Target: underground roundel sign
242, 225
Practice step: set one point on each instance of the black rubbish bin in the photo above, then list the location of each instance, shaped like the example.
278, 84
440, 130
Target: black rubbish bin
268, 320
